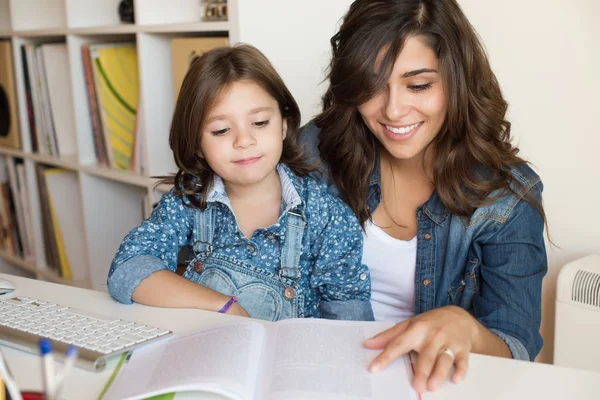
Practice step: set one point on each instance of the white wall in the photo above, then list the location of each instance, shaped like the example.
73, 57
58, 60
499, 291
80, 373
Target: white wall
546, 54
294, 35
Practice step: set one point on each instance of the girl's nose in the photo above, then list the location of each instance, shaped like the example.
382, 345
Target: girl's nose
244, 139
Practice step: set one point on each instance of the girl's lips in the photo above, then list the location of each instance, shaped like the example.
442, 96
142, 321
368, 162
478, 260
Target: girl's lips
247, 161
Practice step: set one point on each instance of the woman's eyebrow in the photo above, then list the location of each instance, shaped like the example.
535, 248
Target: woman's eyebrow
418, 71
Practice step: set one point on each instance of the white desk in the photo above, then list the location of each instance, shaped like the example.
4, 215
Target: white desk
488, 377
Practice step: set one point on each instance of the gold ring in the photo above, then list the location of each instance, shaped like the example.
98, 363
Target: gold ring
449, 352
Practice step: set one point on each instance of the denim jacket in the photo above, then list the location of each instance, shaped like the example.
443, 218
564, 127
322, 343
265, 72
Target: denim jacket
491, 264
308, 264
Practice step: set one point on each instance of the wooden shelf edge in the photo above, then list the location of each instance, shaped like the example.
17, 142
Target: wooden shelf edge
71, 164
18, 262
30, 266
197, 26
47, 32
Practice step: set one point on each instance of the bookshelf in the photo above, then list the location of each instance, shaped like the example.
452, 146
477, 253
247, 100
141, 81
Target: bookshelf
110, 201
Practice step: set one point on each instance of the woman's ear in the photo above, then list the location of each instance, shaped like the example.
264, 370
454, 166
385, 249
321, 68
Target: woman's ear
284, 128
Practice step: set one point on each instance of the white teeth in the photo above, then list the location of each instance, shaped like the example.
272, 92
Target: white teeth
403, 130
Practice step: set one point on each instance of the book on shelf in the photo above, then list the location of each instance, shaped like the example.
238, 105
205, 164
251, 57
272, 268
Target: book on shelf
24, 202
64, 204
49, 99
183, 52
59, 96
44, 98
27, 81
94, 111
15, 233
9, 122
16, 189
114, 68
245, 360
11, 241
48, 233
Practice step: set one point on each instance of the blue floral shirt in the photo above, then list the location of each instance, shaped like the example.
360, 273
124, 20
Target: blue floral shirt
335, 284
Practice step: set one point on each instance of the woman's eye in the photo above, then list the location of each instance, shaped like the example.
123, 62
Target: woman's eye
261, 124
419, 88
219, 132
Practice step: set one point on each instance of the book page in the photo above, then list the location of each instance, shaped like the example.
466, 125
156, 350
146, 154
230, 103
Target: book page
221, 359
325, 360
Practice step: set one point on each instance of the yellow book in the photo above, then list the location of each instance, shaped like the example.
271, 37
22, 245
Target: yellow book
65, 269
115, 68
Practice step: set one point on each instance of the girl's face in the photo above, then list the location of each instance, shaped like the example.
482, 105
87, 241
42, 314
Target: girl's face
410, 111
242, 138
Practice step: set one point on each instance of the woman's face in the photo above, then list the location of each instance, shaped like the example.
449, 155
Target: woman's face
409, 112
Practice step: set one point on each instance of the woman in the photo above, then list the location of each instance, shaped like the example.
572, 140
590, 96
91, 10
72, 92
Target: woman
414, 136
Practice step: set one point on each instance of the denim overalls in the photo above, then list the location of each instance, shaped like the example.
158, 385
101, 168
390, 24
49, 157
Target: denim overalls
269, 294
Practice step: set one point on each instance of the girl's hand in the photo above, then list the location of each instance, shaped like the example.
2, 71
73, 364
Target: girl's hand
238, 310
442, 337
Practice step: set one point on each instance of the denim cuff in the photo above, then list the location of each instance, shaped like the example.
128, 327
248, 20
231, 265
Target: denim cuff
127, 276
519, 352
350, 310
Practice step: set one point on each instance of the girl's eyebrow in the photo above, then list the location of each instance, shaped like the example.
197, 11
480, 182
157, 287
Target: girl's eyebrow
418, 71
215, 118
259, 109
252, 111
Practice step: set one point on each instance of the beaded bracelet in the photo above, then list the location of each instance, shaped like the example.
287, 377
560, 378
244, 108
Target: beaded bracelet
228, 305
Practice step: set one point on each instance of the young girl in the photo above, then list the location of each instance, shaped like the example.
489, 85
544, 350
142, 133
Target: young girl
268, 241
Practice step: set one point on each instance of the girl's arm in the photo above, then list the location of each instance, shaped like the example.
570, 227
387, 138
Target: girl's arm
342, 280
143, 269
167, 289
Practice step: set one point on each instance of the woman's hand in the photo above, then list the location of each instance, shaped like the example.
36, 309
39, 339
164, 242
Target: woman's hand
442, 337
238, 310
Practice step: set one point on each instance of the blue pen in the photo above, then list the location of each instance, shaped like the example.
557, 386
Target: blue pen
47, 367
71, 357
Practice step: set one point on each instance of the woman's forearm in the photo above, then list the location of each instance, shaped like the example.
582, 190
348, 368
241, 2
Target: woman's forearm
167, 289
486, 342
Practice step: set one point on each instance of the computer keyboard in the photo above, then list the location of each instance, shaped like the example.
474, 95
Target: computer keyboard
24, 321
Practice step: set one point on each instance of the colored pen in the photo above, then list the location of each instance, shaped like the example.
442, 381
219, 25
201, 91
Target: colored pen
71, 357
47, 367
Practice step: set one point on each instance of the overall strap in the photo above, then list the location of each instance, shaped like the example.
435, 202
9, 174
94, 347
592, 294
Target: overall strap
292, 248
204, 233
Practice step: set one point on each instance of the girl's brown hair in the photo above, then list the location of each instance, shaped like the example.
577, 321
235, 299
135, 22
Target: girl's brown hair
208, 77
475, 136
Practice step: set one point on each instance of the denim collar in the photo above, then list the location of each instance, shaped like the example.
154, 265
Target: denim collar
433, 208
290, 187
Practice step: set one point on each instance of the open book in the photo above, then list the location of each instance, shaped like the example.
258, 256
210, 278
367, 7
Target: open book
246, 360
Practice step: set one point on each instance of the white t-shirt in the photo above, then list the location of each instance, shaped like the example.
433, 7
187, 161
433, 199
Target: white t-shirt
392, 264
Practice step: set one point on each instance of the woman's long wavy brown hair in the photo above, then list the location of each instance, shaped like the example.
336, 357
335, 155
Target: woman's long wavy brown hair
208, 77
475, 136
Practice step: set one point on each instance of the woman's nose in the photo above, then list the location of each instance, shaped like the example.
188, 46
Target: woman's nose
396, 105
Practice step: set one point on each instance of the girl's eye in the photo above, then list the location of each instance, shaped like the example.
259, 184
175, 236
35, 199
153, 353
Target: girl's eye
419, 88
219, 132
261, 124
